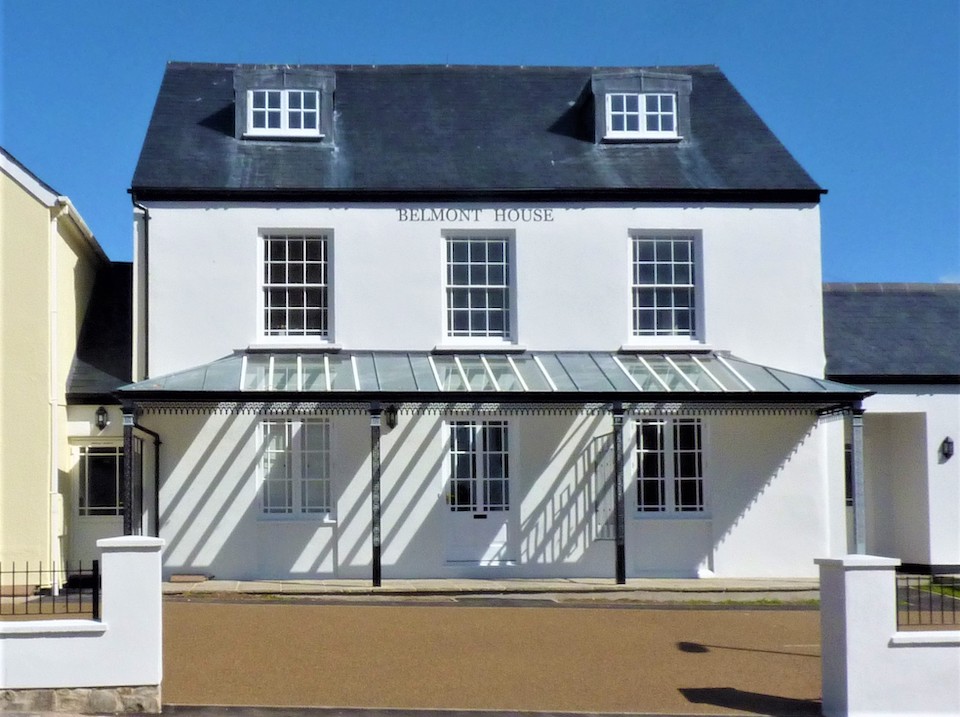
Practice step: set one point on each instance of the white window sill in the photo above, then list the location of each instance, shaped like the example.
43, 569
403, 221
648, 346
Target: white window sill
664, 343
685, 517
475, 347
280, 134
285, 345
321, 518
639, 137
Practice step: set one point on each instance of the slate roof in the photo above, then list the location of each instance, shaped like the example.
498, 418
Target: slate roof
460, 131
103, 359
892, 332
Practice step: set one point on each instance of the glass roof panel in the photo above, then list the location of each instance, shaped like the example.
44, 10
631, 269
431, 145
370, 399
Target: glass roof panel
640, 373
531, 373
556, 372
758, 376
721, 373
223, 375
341, 373
423, 373
190, 380
450, 378
313, 373
613, 373
258, 367
285, 373
394, 372
476, 373
366, 372
693, 371
668, 373
503, 372
795, 381
584, 372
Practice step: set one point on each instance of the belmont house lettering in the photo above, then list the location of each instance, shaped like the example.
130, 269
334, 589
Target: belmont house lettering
451, 214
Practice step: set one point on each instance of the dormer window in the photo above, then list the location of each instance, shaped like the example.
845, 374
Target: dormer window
640, 106
641, 116
283, 113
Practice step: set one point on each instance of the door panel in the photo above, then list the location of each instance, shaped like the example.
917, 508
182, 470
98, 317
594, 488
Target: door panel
478, 493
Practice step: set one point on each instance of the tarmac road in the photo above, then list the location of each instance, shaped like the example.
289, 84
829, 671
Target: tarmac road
492, 656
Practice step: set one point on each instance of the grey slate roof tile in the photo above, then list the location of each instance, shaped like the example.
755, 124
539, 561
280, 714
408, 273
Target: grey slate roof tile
457, 129
892, 331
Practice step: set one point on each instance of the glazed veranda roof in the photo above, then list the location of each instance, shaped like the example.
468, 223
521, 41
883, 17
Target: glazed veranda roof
540, 376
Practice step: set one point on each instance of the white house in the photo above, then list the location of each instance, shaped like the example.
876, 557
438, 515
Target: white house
420, 321
902, 342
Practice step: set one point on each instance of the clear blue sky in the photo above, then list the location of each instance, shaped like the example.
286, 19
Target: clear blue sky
863, 92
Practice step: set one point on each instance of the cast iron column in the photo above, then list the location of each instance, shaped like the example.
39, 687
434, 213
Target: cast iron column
859, 505
375, 412
126, 486
621, 556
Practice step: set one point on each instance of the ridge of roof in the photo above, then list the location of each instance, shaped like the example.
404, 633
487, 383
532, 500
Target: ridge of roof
187, 64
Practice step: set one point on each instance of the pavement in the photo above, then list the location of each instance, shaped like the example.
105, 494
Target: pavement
652, 590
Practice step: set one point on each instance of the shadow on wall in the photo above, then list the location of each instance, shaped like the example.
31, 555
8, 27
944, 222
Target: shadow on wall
561, 497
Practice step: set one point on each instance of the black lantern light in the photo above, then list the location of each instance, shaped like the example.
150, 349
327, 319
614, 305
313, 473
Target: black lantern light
103, 419
946, 448
390, 415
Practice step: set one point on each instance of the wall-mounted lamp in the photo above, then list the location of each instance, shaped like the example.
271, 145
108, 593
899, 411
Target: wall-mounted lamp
946, 448
390, 415
103, 419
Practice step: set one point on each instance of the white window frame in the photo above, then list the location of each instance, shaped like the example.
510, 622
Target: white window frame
114, 450
299, 336
643, 115
665, 285
671, 474
295, 453
507, 286
482, 457
287, 111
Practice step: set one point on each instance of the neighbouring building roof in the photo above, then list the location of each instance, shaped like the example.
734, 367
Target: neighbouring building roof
27, 179
565, 376
459, 131
892, 332
103, 359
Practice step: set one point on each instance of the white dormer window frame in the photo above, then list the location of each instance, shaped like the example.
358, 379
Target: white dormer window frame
283, 113
642, 115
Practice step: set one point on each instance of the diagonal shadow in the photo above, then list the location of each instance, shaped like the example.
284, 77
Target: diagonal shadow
755, 702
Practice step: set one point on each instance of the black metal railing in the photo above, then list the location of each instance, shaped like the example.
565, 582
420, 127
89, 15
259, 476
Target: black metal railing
928, 602
38, 591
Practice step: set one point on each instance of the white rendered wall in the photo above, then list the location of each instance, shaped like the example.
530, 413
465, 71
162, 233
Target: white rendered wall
125, 648
904, 427
868, 667
767, 494
760, 298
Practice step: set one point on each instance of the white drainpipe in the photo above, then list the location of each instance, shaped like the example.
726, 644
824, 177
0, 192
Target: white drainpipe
55, 502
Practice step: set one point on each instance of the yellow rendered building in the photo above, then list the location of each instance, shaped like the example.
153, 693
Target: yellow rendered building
49, 261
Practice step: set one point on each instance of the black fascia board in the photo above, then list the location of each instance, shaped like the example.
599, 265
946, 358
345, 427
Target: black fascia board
86, 399
504, 397
681, 194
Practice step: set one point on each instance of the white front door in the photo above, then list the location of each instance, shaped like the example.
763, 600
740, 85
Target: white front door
97, 504
478, 494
